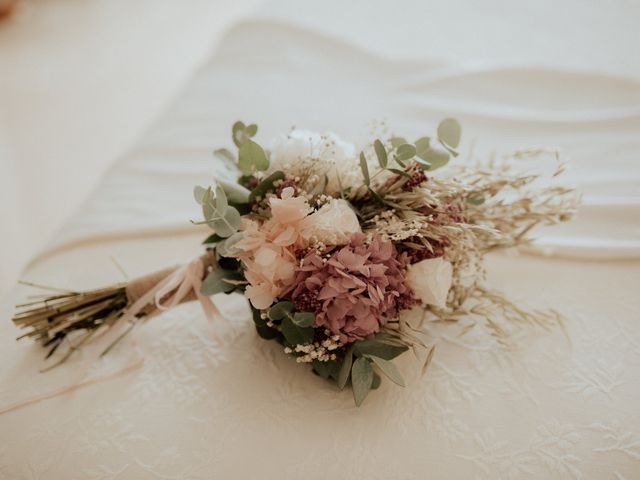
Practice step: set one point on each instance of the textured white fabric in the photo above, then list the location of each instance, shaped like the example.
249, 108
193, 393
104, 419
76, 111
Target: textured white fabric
558, 406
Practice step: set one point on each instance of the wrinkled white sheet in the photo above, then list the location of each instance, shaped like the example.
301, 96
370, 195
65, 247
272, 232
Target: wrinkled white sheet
552, 408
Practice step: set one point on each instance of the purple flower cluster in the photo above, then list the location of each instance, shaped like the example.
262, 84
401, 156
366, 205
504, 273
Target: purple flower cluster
354, 289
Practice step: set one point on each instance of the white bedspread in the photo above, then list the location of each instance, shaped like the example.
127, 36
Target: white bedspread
557, 407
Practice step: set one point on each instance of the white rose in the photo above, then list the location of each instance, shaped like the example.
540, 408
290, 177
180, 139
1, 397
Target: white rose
304, 153
332, 224
431, 280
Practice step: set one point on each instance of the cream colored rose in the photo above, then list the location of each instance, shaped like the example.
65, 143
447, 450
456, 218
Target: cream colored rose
332, 224
430, 280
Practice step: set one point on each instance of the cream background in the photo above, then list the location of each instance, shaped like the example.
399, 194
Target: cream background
79, 82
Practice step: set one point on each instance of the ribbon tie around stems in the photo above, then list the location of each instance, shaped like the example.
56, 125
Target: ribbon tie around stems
174, 287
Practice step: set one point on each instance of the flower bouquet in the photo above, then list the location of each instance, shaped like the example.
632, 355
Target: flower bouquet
332, 246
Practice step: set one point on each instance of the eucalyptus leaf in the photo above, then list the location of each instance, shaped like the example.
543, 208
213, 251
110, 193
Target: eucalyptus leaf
405, 152
449, 132
264, 330
345, 369
402, 173
436, 157
304, 319
251, 157
200, 194
422, 145
228, 224
381, 153
365, 169
382, 350
213, 238
216, 282
295, 335
265, 186
237, 133
225, 247
376, 381
389, 369
235, 192
397, 141
387, 336
280, 310
232, 216
324, 369
361, 379
221, 199
251, 130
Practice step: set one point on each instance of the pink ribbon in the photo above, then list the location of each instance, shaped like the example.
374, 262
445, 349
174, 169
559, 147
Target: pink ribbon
166, 294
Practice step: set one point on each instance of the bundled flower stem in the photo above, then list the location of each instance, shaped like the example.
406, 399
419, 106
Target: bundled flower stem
333, 246
73, 317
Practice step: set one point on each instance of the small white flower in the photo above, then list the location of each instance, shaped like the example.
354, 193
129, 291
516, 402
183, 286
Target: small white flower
310, 154
431, 280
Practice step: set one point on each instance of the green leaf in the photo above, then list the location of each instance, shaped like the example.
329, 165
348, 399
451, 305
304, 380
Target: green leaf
345, 369
449, 132
435, 157
397, 141
376, 381
264, 330
304, 319
251, 130
200, 194
216, 282
400, 162
361, 379
381, 153
265, 186
228, 224
221, 199
422, 145
475, 200
235, 193
251, 157
400, 172
382, 350
213, 238
226, 248
324, 369
387, 336
280, 310
365, 169
405, 152
295, 335
389, 369
237, 133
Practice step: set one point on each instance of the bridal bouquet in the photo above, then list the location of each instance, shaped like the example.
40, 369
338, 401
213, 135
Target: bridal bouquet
332, 246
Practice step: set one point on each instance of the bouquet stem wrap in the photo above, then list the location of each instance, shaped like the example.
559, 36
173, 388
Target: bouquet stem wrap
158, 291
146, 296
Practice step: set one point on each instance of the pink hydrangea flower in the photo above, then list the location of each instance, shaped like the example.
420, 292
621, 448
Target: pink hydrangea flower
267, 250
355, 289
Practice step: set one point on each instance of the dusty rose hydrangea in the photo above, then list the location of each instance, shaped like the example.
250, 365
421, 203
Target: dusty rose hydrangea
354, 289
